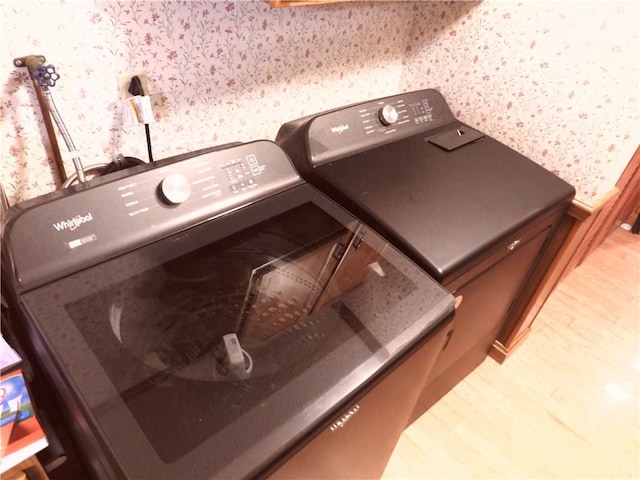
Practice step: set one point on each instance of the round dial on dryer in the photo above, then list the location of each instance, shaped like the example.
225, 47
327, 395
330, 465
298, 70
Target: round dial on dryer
175, 189
388, 115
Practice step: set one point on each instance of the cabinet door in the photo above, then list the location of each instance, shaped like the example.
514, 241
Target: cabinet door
361, 439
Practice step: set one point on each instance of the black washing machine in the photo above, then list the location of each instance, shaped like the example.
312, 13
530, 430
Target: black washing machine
215, 316
472, 212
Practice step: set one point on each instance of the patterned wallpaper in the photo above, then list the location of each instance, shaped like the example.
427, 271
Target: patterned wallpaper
556, 80
561, 89
218, 71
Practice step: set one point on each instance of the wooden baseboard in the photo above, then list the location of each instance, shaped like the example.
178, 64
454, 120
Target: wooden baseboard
500, 353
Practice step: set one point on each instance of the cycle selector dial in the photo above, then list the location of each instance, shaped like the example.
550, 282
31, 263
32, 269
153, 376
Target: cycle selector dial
388, 115
175, 189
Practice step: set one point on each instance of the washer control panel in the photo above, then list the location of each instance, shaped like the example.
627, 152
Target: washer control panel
205, 183
347, 130
110, 217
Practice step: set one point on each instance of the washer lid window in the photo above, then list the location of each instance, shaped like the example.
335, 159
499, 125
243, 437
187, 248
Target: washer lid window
141, 336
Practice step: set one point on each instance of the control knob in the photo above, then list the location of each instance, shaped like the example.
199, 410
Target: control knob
175, 189
388, 115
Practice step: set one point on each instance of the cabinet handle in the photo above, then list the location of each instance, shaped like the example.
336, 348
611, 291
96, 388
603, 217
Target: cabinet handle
342, 421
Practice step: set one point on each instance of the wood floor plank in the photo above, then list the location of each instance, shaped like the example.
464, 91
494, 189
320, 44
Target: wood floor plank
445, 447
523, 442
411, 462
557, 311
534, 429
470, 456
585, 303
477, 431
565, 405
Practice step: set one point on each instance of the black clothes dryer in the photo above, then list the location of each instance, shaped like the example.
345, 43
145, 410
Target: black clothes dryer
472, 212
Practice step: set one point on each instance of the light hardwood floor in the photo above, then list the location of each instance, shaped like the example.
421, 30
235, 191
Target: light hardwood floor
565, 405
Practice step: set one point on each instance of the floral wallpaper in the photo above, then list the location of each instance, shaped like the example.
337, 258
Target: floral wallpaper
556, 80
218, 71
561, 89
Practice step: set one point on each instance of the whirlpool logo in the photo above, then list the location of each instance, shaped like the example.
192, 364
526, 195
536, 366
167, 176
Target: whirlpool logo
73, 223
340, 128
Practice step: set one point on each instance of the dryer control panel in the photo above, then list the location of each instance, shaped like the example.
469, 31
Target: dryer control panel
352, 129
